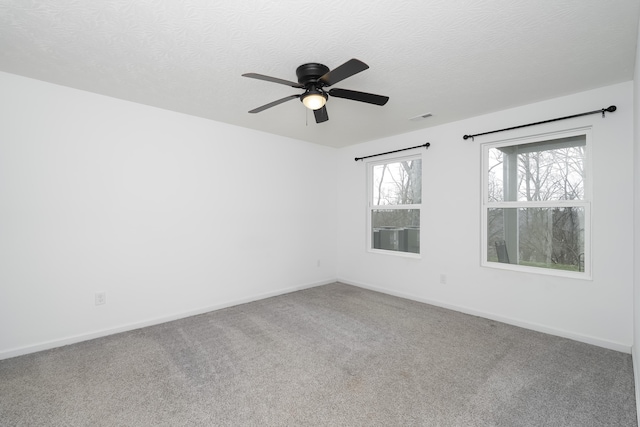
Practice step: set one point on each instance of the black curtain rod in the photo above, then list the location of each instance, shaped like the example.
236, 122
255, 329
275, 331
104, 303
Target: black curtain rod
427, 145
611, 109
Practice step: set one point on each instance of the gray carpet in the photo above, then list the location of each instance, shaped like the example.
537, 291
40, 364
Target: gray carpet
335, 355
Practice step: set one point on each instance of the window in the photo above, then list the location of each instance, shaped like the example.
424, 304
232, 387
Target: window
537, 205
395, 198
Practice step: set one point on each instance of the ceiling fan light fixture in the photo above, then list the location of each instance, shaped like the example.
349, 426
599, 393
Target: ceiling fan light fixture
314, 99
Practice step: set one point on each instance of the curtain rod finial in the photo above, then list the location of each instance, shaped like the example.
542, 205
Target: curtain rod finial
611, 109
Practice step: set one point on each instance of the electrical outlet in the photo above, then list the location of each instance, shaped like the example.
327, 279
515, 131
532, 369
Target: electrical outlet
101, 298
443, 279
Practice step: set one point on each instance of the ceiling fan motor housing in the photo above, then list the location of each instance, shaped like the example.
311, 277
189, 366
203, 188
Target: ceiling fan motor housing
310, 73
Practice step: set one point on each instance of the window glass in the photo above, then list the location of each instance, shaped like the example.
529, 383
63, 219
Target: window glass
396, 229
546, 237
537, 205
395, 198
397, 183
553, 170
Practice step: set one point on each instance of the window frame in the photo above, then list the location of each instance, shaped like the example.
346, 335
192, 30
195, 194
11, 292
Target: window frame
586, 203
371, 207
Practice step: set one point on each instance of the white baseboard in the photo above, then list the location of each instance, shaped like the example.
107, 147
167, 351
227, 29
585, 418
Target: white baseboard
6, 354
636, 371
611, 345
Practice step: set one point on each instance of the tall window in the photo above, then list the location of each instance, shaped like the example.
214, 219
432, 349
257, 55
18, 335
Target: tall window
395, 199
537, 203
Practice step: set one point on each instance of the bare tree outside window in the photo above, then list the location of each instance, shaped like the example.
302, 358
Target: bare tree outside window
395, 205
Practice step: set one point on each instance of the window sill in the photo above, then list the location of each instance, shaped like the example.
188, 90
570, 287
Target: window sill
410, 255
538, 270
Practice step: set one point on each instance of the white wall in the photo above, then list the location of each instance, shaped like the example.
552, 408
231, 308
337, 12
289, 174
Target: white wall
168, 214
636, 299
598, 311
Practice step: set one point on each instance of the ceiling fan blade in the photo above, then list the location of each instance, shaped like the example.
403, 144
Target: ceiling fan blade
321, 114
348, 69
274, 103
273, 80
359, 96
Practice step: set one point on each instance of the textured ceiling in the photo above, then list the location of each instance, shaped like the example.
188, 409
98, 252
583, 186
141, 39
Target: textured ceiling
452, 58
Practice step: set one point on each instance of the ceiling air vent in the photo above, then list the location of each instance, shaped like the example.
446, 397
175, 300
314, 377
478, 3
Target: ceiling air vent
420, 117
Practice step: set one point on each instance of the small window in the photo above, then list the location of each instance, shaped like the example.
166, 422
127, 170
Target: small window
395, 200
537, 205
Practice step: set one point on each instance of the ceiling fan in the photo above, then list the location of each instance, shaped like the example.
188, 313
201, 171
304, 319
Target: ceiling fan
313, 78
